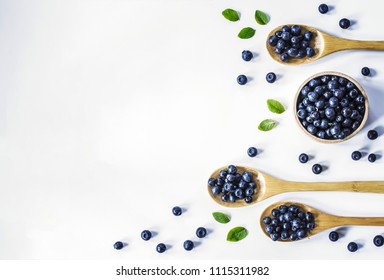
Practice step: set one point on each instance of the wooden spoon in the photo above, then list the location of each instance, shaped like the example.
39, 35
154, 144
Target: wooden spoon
323, 45
323, 221
268, 186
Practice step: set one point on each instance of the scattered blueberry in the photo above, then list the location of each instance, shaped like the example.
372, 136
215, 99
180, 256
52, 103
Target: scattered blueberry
372, 134
160, 248
371, 157
252, 152
288, 222
317, 168
201, 232
118, 245
177, 211
365, 71
146, 235
323, 8
247, 55
242, 79
271, 77
303, 158
333, 236
378, 240
356, 155
344, 23
352, 247
188, 245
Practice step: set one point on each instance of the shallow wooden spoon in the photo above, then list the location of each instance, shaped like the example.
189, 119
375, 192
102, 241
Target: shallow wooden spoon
323, 221
267, 186
323, 45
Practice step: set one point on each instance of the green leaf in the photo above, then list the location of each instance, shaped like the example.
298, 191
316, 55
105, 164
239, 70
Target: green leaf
246, 33
221, 217
275, 106
231, 15
267, 125
236, 234
261, 17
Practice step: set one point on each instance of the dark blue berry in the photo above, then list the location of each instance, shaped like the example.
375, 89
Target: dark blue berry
118, 245
242, 79
275, 236
146, 235
344, 23
201, 232
271, 77
188, 245
284, 57
356, 155
272, 40
267, 220
378, 240
247, 177
308, 35
247, 55
248, 199
333, 236
160, 248
365, 71
211, 181
177, 211
317, 168
286, 28
352, 247
323, 8
232, 169
372, 134
215, 190
371, 157
303, 158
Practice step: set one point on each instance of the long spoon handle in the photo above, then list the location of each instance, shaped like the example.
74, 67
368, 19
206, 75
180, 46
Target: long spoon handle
358, 221
352, 186
338, 44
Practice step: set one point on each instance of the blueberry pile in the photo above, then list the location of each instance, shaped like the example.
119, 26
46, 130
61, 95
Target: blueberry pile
292, 42
233, 186
330, 107
288, 222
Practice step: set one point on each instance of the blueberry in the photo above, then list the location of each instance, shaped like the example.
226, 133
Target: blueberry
286, 28
372, 134
344, 23
293, 52
284, 57
201, 232
333, 236
293, 209
365, 71
188, 245
271, 77
215, 190
275, 236
248, 199
313, 96
356, 155
293, 236
371, 157
267, 220
223, 174
286, 36
247, 55
269, 229
284, 235
278, 33
330, 113
303, 158
296, 30
296, 40
353, 93
352, 247
378, 240
311, 129
308, 35
359, 99
231, 197
160, 248
302, 233
324, 124
247, 177
249, 192
323, 8
301, 113
332, 85
344, 102
321, 134
177, 211
355, 125
281, 44
146, 235
317, 168
232, 169
309, 216
211, 182
242, 79
333, 102
272, 40
118, 245
310, 52
239, 193
347, 122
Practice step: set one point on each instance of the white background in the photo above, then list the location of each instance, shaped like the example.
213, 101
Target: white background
112, 112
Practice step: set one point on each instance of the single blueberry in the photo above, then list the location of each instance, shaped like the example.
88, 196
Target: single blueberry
303, 158
323, 8
321, 134
333, 102
371, 157
271, 77
333, 236
286, 28
308, 35
239, 193
232, 169
359, 99
160, 248
302, 233
293, 236
286, 36
284, 235
232, 197
224, 197
278, 33
330, 113
356, 155
188, 245
313, 96
323, 124
302, 113
146, 235
347, 122
247, 176
296, 30
378, 240
310, 52
242, 79
249, 192
247, 55
352, 247
118, 245
304, 44
293, 209
314, 83
267, 220
177, 211
317, 168
365, 71
201, 232
293, 52
248, 199
344, 23
269, 229
311, 129
275, 236
215, 190
353, 93
272, 40
372, 134
284, 57
211, 182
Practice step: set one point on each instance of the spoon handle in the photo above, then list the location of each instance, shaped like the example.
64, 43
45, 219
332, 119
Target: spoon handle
346, 44
359, 221
352, 186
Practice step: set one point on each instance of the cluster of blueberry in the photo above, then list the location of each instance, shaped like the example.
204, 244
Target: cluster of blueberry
246, 56
378, 241
316, 168
232, 185
356, 155
292, 42
288, 222
146, 235
343, 23
330, 107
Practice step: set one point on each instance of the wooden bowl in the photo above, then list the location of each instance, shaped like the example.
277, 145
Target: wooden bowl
358, 86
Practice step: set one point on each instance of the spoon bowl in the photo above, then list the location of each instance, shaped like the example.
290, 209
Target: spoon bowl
323, 44
323, 221
267, 186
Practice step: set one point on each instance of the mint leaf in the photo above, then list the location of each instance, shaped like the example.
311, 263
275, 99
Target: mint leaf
275, 106
231, 15
261, 17
221, 217
267, 125
246, 33
236, 234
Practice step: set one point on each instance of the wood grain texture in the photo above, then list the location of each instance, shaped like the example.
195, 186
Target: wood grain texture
268, 186
324, 44
323, 221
